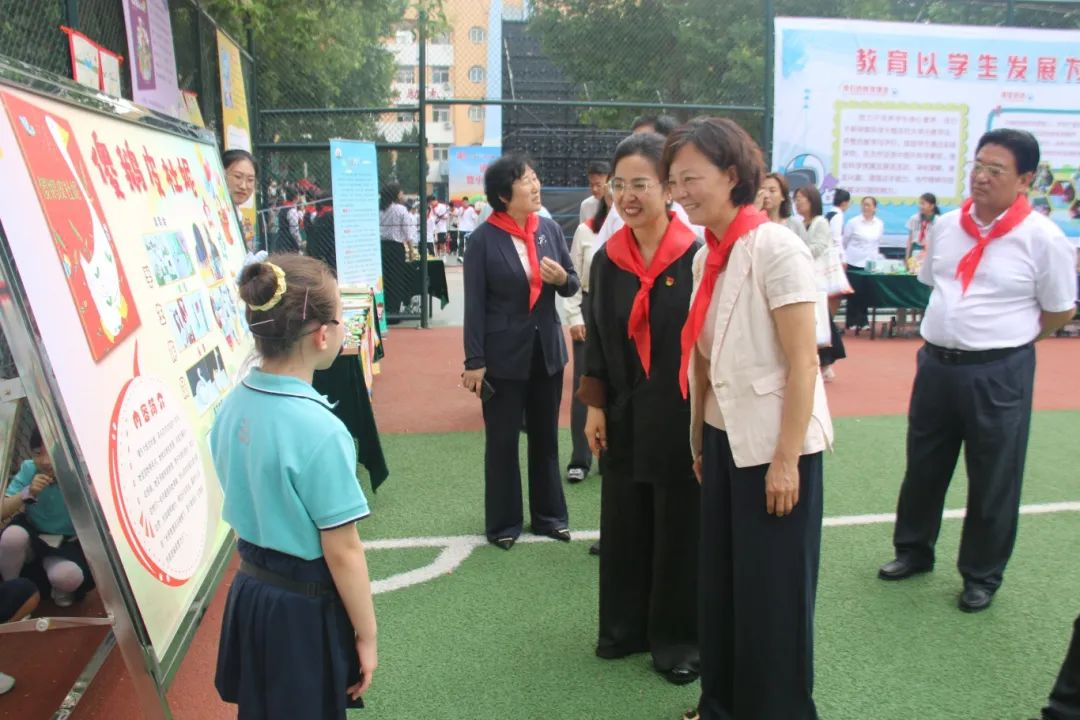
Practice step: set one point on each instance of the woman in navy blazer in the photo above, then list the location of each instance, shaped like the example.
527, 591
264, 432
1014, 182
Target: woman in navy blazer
515, 263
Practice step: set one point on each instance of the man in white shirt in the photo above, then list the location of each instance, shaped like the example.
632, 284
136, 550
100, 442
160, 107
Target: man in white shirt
438, 215
468, 222
598, 172
1002, 279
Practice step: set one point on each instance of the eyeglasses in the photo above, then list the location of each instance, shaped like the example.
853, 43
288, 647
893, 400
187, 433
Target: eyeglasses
637, 187
242, 179
973, 167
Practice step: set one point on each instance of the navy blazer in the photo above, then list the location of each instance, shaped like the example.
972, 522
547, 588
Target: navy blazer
499, 328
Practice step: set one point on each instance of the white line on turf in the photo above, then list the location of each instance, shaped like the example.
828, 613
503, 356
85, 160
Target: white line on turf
456, 548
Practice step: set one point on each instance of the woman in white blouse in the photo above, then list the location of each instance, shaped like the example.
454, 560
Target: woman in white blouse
819, 239
776, 202
582, 249
759, 424
862, 237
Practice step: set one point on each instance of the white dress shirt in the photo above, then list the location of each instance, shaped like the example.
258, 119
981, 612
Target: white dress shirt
582, 250
468, 220
1023, 273
836, 225
861, 240
588, 208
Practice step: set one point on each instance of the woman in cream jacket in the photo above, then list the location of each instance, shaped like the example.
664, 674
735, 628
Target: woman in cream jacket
759, 424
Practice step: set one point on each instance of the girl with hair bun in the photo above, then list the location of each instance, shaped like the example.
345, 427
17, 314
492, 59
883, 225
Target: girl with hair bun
298, 637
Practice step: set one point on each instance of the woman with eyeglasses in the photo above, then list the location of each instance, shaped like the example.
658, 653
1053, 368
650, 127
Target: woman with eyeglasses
241, 174
515, 353
862, 238
759, 424
637, 418
582, 249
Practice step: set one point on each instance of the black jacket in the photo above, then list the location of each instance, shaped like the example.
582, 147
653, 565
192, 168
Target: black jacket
499, 328
648, 421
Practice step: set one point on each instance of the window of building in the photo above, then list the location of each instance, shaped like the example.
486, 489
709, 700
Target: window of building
441, 39
405, 74
476, 113
405, 37
440, 153
440, 113
476, 74
406, 117
440, 74
477, 34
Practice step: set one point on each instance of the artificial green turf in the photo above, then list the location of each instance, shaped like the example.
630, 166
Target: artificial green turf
436, 484
509, 636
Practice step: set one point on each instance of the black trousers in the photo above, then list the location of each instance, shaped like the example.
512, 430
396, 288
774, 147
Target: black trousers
758, 585
987, 408
828, 355
857, 300
1065, 697
538, 399
649, 569
581, 455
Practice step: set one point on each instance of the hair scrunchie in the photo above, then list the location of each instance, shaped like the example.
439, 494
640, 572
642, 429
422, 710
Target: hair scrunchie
278, 293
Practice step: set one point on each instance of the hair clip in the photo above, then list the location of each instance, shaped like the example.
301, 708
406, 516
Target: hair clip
278, 293
303, 313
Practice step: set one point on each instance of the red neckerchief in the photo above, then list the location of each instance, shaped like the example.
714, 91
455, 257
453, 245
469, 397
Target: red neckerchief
528, 233
589, 224
924, 225
745, 220
1016, 214
622, 249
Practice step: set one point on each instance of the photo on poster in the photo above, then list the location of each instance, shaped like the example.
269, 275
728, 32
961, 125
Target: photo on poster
143, 46
227, 313
207, 255
84, 244
208, 380
169, 260
187, 319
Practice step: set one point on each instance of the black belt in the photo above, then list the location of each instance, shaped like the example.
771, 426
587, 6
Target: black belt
970, 357
309, 589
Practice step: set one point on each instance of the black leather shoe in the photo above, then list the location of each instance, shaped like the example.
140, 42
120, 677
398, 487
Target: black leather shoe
504, 542
594, 549
899, 569
560, 534
975, 599
680, 675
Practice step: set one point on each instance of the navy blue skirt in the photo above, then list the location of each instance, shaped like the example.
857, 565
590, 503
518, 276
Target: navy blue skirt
284, 655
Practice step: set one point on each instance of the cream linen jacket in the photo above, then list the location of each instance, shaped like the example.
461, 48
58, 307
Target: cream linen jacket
769, 267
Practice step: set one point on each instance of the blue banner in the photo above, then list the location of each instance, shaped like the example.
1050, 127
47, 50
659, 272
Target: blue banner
355, 178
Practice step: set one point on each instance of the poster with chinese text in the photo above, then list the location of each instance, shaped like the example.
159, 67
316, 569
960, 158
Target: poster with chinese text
895, 110
151, 56
467, 166
234, 114
354, 175
127, 248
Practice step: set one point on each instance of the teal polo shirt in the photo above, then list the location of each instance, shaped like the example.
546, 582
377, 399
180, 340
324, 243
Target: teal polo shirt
49, 514
286, 464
